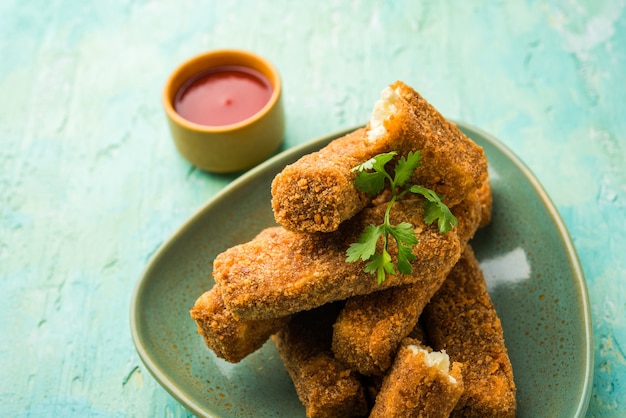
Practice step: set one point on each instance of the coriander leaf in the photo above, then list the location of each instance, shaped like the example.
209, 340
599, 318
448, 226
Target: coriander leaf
380, 264
370, 183
403, 232
365, 247
405, 256
373, 183
405, 168
430, 195
375, 163
405, 238
435, 209
445, 219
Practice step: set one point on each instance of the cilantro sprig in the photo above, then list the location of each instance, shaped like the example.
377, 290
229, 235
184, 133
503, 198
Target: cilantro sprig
371, 179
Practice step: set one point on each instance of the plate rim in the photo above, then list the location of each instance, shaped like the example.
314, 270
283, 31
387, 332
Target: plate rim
577, 272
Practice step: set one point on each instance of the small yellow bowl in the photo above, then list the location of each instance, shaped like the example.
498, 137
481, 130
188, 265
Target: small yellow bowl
227, 148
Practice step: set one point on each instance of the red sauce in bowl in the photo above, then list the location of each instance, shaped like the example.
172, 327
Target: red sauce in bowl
223, 96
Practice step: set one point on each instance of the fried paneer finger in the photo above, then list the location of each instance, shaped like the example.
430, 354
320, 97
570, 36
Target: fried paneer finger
229, 337
462, 320
281, 272
317, 192
419, 384
325, 386
370, 328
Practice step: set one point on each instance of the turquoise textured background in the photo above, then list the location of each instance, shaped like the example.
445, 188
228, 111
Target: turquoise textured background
90, 182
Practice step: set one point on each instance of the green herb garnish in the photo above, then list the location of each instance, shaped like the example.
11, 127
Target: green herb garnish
371, 179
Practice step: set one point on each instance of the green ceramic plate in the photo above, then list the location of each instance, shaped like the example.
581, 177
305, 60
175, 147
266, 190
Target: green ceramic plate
528, 259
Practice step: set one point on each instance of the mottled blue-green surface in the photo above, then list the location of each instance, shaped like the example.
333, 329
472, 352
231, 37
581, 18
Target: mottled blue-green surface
90, 182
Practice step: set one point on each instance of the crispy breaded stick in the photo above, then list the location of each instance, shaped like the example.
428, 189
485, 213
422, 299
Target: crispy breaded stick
229, 337
419, 384
317, 193
281, 272
370, 328
461, 319
325, 386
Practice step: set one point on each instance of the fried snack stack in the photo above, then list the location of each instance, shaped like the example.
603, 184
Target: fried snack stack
347, 342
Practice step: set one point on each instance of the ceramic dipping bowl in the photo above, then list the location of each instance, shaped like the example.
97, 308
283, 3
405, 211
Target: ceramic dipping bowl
233, 144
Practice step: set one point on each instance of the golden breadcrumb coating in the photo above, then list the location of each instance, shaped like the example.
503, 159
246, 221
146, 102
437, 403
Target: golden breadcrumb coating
418, 386
229, 337
462, 320
281, 272
326, 387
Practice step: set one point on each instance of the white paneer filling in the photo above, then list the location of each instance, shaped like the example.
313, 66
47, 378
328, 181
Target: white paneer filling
438, 359
383, 108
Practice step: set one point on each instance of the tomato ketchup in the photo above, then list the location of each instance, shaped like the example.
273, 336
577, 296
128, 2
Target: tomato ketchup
223, 96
